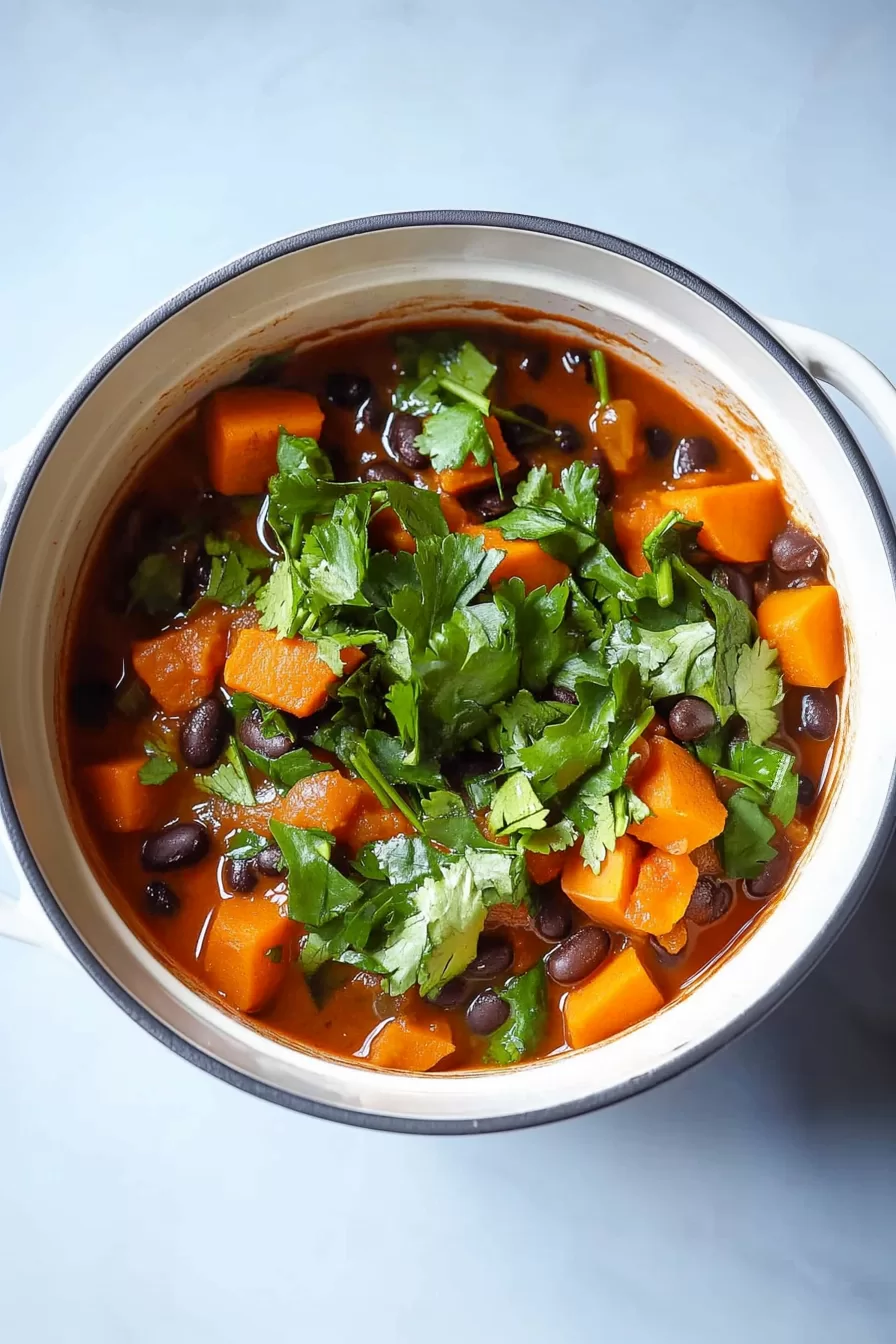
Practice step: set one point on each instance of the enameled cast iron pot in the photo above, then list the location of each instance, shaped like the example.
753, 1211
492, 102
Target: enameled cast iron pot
759, 380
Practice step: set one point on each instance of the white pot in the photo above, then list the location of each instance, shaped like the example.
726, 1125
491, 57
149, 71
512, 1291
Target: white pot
433, 266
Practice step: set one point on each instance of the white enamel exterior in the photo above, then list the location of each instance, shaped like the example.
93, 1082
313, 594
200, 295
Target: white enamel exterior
439, 269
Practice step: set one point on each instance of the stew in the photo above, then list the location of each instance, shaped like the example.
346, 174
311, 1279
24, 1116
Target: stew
449, 698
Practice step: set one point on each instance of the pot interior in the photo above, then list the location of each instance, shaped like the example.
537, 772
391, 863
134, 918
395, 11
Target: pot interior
416, 274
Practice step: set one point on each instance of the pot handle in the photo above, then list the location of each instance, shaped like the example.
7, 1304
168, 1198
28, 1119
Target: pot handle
21, 914
838, 364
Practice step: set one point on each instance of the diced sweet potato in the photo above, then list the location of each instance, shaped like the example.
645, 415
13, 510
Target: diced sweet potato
471, 476
604, 896
680, 793
248, 948
411, 1046
116, 796
181, 666
615, 997
324, 802
662, 892
805, 626
739, 521
543, 868
619, 436
376, 823
242, 426
522, 559
388, 534
287, 673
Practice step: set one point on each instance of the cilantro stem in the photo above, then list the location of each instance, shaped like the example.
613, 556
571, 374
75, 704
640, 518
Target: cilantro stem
620, 811
501, 413
601, 377
362, 762
481, 403
665, 589
638, 727
498, 482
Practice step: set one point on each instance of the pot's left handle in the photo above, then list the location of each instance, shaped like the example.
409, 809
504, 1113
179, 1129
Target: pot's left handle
21, 915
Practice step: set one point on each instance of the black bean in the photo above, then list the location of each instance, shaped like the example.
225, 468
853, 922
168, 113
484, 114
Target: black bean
453, 995
736, 581
91, 702
491, 505
401, 437
567, 438
659, 441
251, 735
176, 846
710, 900
794, 551
691, 719
204, 733
563, 695
348, 390
470, 764
487, 1013
270, 861
762, 584
161, 900
240, 874
693, 454
574, 358
578, 955
553, 918
385, 471
494, 956
372, 414
518, 437
535, 363
806, 791
804, 581
818, 714
774, 874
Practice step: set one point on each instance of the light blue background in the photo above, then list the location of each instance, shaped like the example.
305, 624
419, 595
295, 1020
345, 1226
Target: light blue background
142, 145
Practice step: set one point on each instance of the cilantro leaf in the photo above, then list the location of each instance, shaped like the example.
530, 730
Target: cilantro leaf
295, 454
773, 770
745, 839
317, 890
567, 750
286, 770
229, 780
159, 767
279, 602
758, 688
245, 845
335, 554
564, 518
449, 572
158, 584
233, 576
522, 721
559, 836
405, 859
452, 435
418, 510
519, 1036
428, 361
448, 823
517, 807
601, 835
544, 641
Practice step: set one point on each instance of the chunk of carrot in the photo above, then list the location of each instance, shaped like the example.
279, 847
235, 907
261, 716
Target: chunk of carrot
680, 793
117, 797
248, 948
662, 892
411, 1046
287, 673
805, 626
522, 559
619, 437
324, 802
181, 666
604, 896
242, 426
376, 823
615, 997
543, 868
471, 475
739, 521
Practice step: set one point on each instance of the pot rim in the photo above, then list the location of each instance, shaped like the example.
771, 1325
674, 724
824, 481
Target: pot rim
462, 218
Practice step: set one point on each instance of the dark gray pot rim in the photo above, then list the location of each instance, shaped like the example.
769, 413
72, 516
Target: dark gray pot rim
375, 223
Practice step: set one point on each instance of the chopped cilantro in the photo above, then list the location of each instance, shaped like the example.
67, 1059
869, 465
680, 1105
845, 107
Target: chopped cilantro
745, 847
517, 807
158, 584
519, 1036
229, 780
159, 766
758, 688
245, 845
452, 435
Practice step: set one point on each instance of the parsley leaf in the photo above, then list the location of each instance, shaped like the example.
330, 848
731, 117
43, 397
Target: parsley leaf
229, 781
527, 996
158, 584
758, 688
159, 767
452, 435
745, 847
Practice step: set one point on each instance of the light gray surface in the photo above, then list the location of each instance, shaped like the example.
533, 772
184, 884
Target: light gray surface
139, 1200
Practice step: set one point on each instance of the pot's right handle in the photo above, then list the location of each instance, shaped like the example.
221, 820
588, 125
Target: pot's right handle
838, 364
